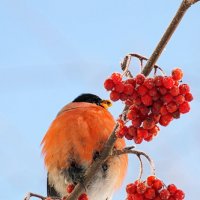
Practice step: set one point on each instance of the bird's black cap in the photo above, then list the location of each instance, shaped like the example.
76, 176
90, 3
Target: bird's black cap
89, 98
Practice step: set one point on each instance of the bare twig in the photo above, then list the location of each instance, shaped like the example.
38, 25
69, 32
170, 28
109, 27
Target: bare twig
138, 153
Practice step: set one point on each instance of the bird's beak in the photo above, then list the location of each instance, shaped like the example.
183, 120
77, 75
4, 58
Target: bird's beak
106, 104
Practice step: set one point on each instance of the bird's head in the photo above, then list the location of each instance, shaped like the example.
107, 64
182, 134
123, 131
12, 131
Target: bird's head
91, 98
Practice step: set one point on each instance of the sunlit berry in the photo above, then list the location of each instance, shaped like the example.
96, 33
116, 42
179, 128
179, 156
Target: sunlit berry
147, 100
149, 83
142, 133
172, 188
150, 180
184, 88
165, 119
168, 82
116, 77
150, 193
114, 96
70, 188
109, 84
131, 188
119, 87
188, 97
184, 107
128, 89
83, 197
177, 74
164, 194
158, 81
179, 195
140, 79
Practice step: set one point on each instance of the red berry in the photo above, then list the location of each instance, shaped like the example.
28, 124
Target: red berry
150, 180
123, 97
132, 131
148, 123
184, 88
163, 110
142, 133
184, 107
179, 195
156, 107
165, 119
154, 131
158, 80
188, 97
121, 131
137, 197
167, 98
119, 87
174, 91
131, 81
149, 138
162, 90
137, 101
179, 99
128, 89
177, 74
168, 82
158, 184
128, 102
144, 110
164, 194
156, 97
171, 107
138, 140
133, 113
131, 188
140, 79
149, 83
176, 114
83, 197
141, 90
150, 193
171, 188
109, 84
116, 77
147, 100
136, 122
70, 188
48, 198
153, 92
114, 96
141, 188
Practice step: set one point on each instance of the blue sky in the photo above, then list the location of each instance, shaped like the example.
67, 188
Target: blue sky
51, 51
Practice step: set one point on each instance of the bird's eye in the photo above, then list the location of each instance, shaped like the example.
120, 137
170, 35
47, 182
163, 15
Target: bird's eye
105, 167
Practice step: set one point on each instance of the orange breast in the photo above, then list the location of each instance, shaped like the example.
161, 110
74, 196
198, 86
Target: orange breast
78, 131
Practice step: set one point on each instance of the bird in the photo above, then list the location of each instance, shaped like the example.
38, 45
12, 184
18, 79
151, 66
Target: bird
74, 140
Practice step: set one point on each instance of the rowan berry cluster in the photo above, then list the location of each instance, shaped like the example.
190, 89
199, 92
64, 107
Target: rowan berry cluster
151, 101
153, 188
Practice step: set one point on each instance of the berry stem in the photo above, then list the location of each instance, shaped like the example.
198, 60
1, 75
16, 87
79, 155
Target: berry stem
167, 35
141, 167
138, 153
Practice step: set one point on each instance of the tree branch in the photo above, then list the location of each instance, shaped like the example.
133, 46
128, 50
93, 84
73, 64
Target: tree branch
167, 35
